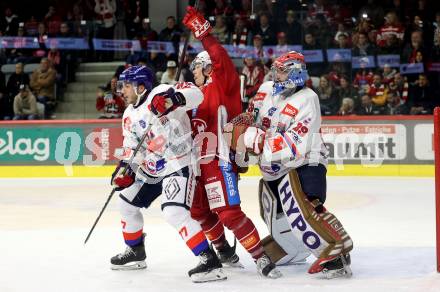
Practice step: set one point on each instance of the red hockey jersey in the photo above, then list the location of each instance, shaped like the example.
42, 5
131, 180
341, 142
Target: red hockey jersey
221, 100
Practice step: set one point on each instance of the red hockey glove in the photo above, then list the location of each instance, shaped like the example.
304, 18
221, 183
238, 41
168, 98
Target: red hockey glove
165, 102
120, 181
195, 21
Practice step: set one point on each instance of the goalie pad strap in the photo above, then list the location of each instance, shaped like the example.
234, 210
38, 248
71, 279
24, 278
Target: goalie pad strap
273, 249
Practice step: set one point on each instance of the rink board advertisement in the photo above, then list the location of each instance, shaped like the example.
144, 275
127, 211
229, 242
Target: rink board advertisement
378, 145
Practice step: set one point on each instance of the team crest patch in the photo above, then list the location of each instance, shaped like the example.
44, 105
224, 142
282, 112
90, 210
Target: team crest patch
215, 195
277, 144
142, 124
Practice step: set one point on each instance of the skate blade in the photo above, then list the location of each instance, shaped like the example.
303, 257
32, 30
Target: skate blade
295, 263
214, 275
236, 265
131, 266
274, 274
340, 273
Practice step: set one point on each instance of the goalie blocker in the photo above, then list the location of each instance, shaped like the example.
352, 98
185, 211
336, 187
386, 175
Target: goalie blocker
300, 225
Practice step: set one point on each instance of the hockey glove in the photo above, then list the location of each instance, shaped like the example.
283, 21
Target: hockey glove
120, 181
195, 21
254, 139
165, 102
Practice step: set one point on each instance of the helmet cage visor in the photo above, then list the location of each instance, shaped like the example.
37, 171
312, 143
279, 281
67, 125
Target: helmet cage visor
288, 75
197, 62
121, 83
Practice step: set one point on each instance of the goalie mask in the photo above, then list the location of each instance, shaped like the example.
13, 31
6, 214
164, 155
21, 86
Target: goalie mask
289, 72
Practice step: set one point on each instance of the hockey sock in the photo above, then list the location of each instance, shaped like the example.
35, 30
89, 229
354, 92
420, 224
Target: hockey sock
249, 238
243, 228
132, 239
214, 230
198, 243
188, 228
132, 223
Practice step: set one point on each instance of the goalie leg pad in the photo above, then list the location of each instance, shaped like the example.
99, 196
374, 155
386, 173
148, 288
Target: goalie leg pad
322, 233
282, 246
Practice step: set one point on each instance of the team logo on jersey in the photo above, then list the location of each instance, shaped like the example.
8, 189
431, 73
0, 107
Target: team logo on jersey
271, 111
277, 144
142, 123
151, 166
199, 125
160, 164
290, 111
260, 96
215, 195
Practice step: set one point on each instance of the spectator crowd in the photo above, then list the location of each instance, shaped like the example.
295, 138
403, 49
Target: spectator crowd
368, 29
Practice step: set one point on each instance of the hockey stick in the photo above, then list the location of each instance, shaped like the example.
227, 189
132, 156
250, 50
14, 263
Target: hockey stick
124, 171
185, 48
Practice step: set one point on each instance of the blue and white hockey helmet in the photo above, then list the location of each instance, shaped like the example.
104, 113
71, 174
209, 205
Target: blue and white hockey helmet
289, 71
137, 75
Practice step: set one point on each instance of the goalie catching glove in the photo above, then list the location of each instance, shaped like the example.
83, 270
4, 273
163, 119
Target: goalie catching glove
120, 180
241, 136
165, 102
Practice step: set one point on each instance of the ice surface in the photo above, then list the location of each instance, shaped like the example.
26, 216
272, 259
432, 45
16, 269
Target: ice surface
43, 224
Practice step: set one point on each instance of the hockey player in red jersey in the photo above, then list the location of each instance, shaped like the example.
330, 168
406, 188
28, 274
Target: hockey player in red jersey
216, 201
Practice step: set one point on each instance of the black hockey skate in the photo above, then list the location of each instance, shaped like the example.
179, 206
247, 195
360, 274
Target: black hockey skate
132, 259
266, 268
339, 267
228, 256
209, 269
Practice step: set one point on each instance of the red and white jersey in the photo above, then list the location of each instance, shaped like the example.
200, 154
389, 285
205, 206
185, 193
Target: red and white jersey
292, 125
221, 102
169, 142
